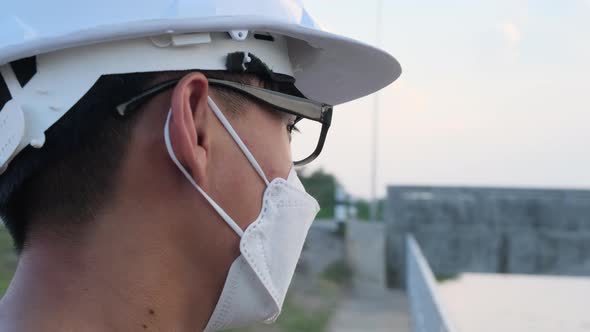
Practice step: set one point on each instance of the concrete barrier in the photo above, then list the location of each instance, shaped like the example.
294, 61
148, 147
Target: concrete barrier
428, 314
490, 230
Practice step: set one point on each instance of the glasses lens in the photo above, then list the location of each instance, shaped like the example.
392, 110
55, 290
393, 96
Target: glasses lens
305, 139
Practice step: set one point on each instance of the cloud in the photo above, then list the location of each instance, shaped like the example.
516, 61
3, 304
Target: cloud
512, 33
512, 38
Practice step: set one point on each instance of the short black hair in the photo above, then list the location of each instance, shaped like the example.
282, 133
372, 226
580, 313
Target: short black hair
72, 176
73, 170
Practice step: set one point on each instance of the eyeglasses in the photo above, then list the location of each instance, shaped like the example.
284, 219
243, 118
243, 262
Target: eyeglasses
311, 135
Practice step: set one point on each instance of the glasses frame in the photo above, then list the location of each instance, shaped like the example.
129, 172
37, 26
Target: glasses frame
300, 107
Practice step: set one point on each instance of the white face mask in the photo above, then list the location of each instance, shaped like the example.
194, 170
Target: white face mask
259, 278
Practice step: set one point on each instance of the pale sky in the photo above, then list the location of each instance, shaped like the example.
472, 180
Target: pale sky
494, 93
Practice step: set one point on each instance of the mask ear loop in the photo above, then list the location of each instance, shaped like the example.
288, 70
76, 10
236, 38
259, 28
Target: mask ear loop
215, 206
238, 140
11, 81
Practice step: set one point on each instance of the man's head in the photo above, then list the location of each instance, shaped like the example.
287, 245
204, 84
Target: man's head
173, 169
135, 171
63, 186
111, 201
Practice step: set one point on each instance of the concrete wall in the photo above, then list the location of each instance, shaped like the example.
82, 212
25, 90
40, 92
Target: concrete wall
490, 230
365, 253
323, 247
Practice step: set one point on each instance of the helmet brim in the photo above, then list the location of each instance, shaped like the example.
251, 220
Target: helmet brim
332, 69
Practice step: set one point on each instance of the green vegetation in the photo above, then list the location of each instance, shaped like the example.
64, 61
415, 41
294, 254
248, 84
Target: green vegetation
311, 302
297, 317
339, 273
364, 209
7, 259
322, 186
441, 278
311, 310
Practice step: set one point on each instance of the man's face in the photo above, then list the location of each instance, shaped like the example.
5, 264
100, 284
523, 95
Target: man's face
205, 243
233, 182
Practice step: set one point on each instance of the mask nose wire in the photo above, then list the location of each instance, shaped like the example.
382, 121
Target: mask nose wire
228, 220
238, 140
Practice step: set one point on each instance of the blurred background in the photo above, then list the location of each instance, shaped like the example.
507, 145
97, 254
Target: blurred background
456, 199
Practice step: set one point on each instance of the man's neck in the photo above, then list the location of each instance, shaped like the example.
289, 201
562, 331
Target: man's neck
114, 281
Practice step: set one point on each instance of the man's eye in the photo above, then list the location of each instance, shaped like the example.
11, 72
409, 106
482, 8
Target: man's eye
292, 128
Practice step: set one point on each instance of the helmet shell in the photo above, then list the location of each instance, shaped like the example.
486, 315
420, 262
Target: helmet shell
339, 70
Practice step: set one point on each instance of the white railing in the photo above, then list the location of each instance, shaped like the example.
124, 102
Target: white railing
427, 312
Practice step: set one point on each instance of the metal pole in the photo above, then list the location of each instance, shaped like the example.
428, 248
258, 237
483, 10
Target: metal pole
373, 210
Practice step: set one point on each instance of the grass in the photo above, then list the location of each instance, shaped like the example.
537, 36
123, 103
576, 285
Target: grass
4, 282
441, 278
311, 303
7, 259
338, 273
304, 310
299, 318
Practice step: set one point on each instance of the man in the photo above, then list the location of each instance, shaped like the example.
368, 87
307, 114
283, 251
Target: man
146, 168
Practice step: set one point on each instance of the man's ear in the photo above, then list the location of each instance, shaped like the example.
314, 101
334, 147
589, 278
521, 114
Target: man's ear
188, 124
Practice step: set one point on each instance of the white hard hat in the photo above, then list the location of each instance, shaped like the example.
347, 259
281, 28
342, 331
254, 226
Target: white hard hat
76, 42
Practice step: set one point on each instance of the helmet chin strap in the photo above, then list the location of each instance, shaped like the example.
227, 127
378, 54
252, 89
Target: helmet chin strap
231, 223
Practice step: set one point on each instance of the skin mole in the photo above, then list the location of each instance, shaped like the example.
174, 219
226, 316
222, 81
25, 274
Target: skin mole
152, 312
